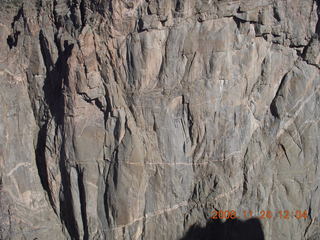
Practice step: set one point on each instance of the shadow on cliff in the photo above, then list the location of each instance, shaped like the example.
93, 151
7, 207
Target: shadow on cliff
56, 85
228, 230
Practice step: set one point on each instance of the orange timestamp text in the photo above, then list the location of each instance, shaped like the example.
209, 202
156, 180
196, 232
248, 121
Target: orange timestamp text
263, 214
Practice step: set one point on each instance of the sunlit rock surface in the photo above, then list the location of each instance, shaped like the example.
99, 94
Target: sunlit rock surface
135, 119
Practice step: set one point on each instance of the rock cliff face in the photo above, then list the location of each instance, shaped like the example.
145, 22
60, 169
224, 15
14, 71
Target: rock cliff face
135, 119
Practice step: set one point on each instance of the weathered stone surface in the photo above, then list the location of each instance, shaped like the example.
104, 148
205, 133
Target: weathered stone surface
135, 119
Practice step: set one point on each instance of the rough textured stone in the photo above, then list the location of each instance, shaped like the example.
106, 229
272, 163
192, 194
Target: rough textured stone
134, 119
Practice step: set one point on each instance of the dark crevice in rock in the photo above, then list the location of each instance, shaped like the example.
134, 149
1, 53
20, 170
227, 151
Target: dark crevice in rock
163, 21
315, 237
57, 75
17, 17
149, 11
130, 62
83, 12
42, 163
245, 184
274, 110
99, 105
57, 19
309, 47
66, 207
300, 52
318, 12
39, 6
245, 174
106, 108
101, 208
304, 52
83, 204
238, 21
57, 108
273, 106
101, 7
45, 51
110, 7
179, 6
105, 197
12, 40
115, 165
190, 122
117, 131
85, 97
113, 168
140, 26
276, 14
285, 153
108, 101
76, 20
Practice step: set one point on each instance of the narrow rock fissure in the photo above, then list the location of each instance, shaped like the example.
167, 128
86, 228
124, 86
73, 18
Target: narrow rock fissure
83, 204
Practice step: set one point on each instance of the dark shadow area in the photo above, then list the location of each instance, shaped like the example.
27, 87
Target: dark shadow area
318, 12
232, 229
12, 40
55, 83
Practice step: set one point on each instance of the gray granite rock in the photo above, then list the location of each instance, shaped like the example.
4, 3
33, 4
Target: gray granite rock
136, 119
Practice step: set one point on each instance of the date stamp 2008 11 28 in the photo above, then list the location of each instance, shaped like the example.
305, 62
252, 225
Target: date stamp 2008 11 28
263, 214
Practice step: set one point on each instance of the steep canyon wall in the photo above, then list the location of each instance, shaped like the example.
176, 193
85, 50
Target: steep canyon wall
134, 119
